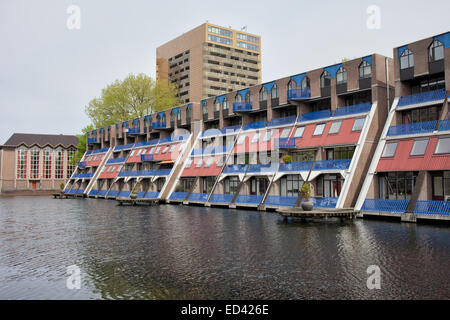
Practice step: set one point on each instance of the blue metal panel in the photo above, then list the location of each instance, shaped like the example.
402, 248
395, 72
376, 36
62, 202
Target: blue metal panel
283, 201
333, 69
176, 110
243, 92
400, 50
249, 199
222, 198
295, 166
198, 197
178, 195
340, 164
236, 168
354, 109
255, 125
269, 86
113, 193
298, 78
242, 106
151, 195
368, 59
422, 97
93, 192
221, 98
141, 195
282, 121
444, 125
299, 94
102, 193
148, 119
315, 115
124, 194
444, 38
324, 202
412, 128
262, 168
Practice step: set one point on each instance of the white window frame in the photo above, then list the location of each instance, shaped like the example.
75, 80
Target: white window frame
415, 144
296, 135
438, 144
335, 127
357, 121
319, 125
383, 155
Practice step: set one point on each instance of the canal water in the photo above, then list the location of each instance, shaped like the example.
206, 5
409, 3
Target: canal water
178, 252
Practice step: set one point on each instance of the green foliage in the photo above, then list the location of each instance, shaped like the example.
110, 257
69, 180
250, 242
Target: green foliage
306, 191
61, 186
134, 97
82, 144
344, 60
287, 158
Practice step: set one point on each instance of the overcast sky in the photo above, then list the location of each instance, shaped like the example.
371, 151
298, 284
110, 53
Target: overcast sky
48, 73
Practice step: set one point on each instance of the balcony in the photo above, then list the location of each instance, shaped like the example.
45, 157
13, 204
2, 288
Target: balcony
130, 173
124, 147
325, 202
295, 166
83, 175
146, 143
385, 205
134, 131
262, 168
162, 172
444, 125
235, 168
282, 121
354, 109
412, 128
424, 97
82, 164
116, 160
340, 164
299, 94
322, 114
146, 157
159, 125
255, 125
242, 106
286, 143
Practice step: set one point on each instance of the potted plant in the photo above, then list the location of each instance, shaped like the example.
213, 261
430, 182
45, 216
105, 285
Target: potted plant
61, 186
306, 193
134, 194
286, 158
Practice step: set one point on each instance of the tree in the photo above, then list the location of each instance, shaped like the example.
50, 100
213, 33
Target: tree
134, 97
81, 147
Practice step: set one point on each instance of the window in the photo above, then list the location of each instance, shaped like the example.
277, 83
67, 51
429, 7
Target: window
419, 147
71, 168
217, 105
285, 132
389, 149
59, 168
205, 109
340, 153
165, 150
21, 164
397, 185
292, 85
319, 129
208, 162
274, 92
157, 150
341, 76
325, 79
172, 148
225, 104
248, 46
299, 132
256, 137
406, 59
258, 186
132, 153
220, 162
268, 136
290, 185
179, 115
358, 124
248, 97
263, 94
241, 139
220, 40
335, 127
231, 185
188, 112
436, 51
199, 163
305, 83
220, 31
443, 146
34, 174
365, 70
247, 37
188, 163
48, 165
441, 185
421, 114
151, 150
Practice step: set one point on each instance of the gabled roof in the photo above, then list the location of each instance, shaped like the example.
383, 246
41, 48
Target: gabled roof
41, 140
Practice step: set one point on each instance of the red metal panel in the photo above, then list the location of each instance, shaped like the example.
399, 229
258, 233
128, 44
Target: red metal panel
168, 155
94, 160
109, 175
402, 161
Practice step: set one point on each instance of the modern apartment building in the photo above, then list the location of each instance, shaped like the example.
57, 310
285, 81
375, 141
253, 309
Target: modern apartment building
36, 162
210, 60
371, 133
410, 172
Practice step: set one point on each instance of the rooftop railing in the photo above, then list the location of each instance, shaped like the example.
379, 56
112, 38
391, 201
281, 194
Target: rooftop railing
92, 140
242, 106
299, 94
322, 114
100, 150
412, 128
423, 97
357, 108
146, 143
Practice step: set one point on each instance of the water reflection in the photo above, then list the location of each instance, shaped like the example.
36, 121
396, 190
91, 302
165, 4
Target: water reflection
177, 252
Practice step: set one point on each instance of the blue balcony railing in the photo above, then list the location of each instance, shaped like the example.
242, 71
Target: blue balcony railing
146, 143
82, 164
134, 130
236, 168
178, 195
444, 125
130, 173
92, 140
242, 106
147, 157
324, 202
124, 194
249, 199
423, 97
162, 172
283, 201
357, 108
152, 195
124, 147
83, 175
198, 197
255, 125
295, 166
221, 198
158, 125
148, 173
322, 114
116, 160
112, 193
432, 207
100, 150
412, 128
102, 193
299, 94
232, 129
282, 121
385, 205
262, 168
340, 164
166, 140
286, 142
93, 192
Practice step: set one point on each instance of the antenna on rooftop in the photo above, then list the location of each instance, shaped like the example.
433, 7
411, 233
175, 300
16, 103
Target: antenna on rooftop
244, 28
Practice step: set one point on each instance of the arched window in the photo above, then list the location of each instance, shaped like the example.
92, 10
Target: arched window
248, 97
238, 98
305, 83
292, 85
188, 112
436, 51
365, 70
163, 118
158, 118
217, 105
263, 94
205, 109
274, 92
179, 115
173, 116
325, 79
406, 59
225, 104
341, 76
